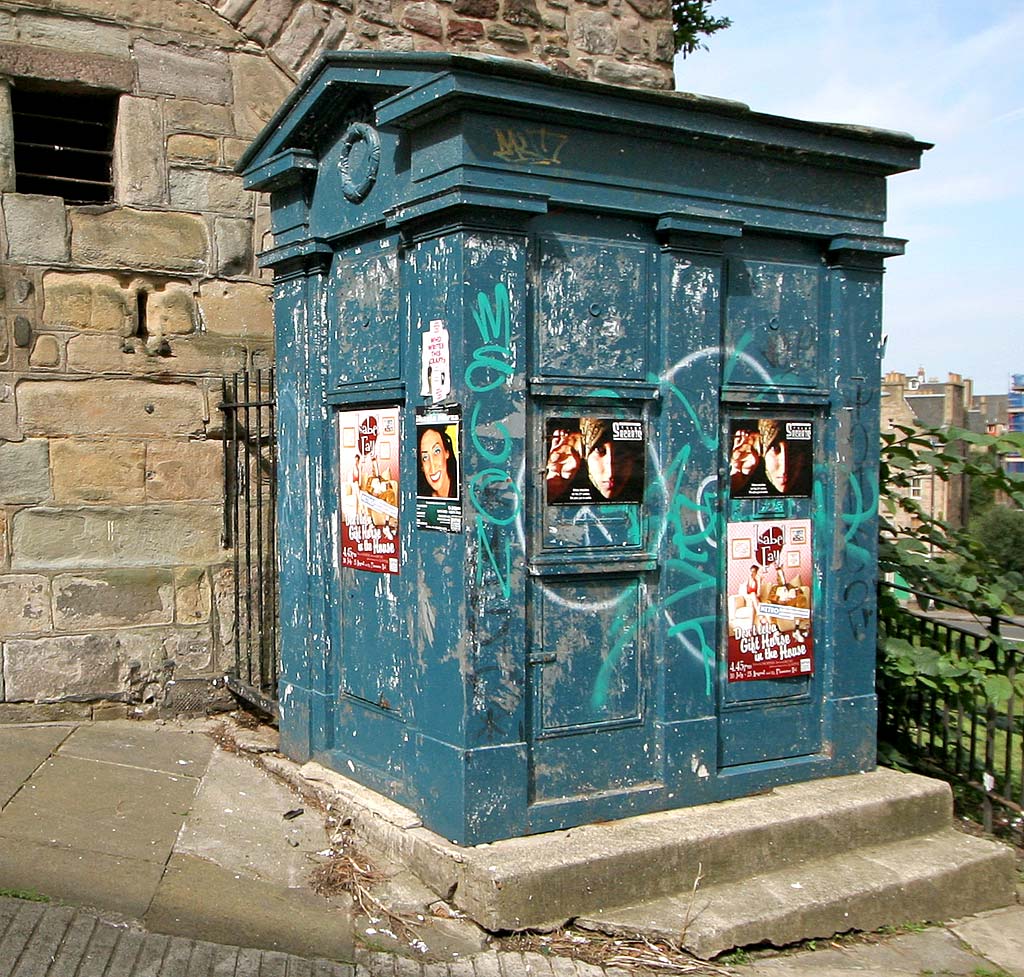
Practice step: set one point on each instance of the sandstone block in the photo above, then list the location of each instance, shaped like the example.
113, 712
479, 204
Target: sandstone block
168, 70
652, 9
336, 29
107, 711
7, 172
5, 548
138, 159
49, 712
171, 311
397, 42
87, 302
183, 18
188, 115
68, 408
224, 605
10, 429
236, 309
265, 18
380, 11
209, 190
45, 353
112, 598
138, 239
522, 12
508, 37
191, 651
554, 19
180, 470
101, 665
595, 32
191, 595
104, 536
188, 356
301, 35
664, 45
633, 42
79, 35
63, 64
484, 9
232, 10
423, 17
634, 75
233, 242
193, 148
24, 472
464, 31
98, 471
37, 228
24, 604
259, 88
233, 150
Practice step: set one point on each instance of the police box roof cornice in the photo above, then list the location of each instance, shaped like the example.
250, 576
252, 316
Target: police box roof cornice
410, 142
412, 89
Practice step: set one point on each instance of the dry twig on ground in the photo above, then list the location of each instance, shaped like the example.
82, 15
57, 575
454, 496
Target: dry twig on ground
629, 953
348, 870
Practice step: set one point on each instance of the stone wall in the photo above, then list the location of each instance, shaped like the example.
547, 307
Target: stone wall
623, 42
118, 321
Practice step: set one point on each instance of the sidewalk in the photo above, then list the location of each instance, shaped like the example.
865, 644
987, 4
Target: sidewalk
163, 854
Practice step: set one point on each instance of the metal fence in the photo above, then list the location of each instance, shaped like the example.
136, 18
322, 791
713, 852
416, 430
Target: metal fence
974, 741
250, 494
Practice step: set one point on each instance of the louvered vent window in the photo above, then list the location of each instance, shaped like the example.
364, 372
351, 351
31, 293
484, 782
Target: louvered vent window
64, 144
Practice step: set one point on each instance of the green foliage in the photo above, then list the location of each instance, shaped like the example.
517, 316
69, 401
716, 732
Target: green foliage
945, 562
27, 895
691, 21
1000, 531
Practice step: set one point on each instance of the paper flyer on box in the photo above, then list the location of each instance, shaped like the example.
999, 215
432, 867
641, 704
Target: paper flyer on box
592, 460
770, 456
770, 620
438, 454
368, 460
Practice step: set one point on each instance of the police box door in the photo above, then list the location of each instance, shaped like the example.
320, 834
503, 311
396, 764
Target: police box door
593, 743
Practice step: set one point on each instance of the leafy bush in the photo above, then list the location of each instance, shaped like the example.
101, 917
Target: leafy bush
947, 563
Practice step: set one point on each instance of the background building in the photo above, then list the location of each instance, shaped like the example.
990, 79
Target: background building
129, 287
919, 403
1015, 421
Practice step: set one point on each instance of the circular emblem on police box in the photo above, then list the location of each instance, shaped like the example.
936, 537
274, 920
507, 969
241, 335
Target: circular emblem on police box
360, 160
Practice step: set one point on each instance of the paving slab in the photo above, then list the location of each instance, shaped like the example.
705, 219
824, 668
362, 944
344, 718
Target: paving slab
999, 935
58, 941
94, 806
112, 883
200, 899
237, 820
183, 751
933, 951
24, 749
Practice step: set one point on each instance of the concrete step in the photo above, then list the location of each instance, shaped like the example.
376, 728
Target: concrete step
937, 876
544, 880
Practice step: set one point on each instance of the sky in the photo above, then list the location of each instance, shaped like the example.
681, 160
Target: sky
949, 72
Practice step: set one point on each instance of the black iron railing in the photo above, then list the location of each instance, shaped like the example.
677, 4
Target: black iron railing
250, 474
973, 739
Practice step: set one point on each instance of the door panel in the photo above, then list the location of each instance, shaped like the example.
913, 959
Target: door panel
590, 686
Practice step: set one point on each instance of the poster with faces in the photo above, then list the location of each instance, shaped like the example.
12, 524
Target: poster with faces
438, 469
594, 460
770, 457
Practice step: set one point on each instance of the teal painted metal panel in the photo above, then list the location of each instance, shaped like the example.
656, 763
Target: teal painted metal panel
593, 310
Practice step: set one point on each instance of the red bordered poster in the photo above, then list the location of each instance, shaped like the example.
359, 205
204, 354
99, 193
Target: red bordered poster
769, 580
368, 489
